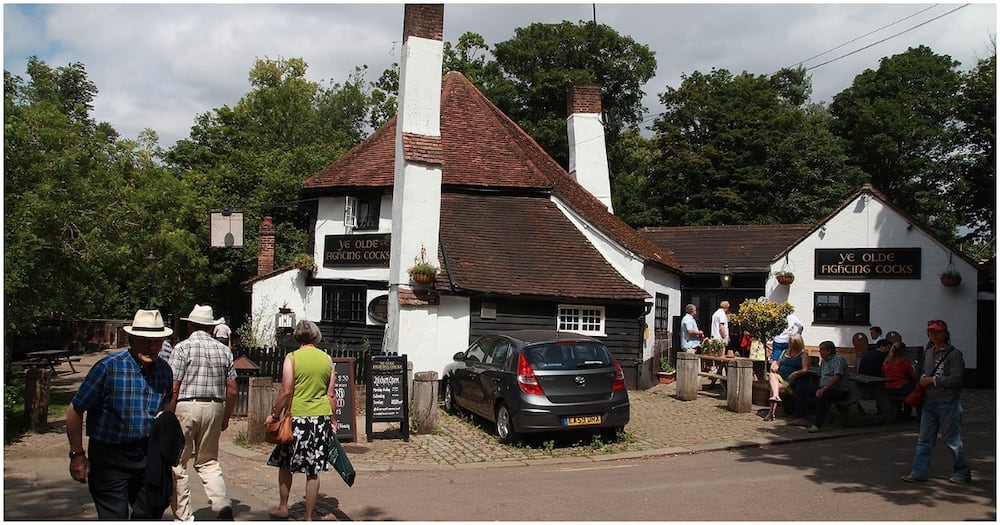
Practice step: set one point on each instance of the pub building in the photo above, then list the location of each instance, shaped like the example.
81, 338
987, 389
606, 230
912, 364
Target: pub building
522, 243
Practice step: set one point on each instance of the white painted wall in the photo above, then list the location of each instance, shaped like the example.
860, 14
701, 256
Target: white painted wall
903, 305
330, 221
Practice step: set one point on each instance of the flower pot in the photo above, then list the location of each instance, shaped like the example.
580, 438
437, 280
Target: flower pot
951, 280
665, 378
422, 278
785, 279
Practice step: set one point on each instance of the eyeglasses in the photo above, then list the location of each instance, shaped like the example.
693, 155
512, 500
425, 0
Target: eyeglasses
932, 321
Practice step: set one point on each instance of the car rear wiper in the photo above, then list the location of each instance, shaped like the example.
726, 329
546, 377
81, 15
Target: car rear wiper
592, 364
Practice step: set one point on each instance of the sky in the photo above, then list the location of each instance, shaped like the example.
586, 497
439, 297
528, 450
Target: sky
158, 66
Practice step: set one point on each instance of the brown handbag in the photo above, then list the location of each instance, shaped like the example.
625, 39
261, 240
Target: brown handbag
280, 432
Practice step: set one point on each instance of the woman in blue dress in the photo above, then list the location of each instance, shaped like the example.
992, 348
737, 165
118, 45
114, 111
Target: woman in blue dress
791, 367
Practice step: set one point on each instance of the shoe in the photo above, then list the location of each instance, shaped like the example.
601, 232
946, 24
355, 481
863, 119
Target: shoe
813, 429
277, 513
226, 514
769, 417
775, 400
909, 478
800, 422
958, 480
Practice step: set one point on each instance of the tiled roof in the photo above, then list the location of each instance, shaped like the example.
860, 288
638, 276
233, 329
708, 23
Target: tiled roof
522, 245
482, 148
712, 248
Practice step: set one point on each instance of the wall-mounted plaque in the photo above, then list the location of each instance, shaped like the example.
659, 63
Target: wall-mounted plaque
356, 250
868, 263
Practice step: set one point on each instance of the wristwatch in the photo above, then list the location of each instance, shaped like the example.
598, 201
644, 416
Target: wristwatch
73, 454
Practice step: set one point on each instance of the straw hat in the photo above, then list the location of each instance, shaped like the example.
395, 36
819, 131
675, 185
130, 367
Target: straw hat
148, 323
202, 315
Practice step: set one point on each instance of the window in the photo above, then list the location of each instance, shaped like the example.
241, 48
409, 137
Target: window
661, 319
361, 212
344, 304
841, 308
587, 320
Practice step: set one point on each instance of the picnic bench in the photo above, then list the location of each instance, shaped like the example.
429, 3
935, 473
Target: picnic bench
51, 358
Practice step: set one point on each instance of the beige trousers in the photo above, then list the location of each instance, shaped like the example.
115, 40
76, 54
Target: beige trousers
202, 425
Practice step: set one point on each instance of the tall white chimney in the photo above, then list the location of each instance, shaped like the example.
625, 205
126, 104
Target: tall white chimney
588, 156
416, 193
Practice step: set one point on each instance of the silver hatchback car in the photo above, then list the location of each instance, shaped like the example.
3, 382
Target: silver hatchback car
538, 381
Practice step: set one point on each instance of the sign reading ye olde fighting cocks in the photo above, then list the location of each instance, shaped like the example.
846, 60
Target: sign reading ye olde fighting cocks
356, 250
868, 263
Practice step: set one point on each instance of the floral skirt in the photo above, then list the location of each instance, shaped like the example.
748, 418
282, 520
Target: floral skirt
308, 453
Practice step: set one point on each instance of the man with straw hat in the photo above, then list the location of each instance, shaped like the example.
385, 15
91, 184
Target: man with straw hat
123, 395
204, 398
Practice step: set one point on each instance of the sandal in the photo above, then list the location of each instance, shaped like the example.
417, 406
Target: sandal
278, 513
769, 417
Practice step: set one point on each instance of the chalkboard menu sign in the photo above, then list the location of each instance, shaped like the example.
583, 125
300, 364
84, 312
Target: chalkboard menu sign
387, 393
347, 427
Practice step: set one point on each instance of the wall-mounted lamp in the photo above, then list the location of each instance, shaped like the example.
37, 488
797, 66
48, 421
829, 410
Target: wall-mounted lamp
822, 228
726, 277
909, 226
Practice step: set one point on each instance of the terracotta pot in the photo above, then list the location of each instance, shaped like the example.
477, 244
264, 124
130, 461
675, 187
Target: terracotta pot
422, 278
666, 378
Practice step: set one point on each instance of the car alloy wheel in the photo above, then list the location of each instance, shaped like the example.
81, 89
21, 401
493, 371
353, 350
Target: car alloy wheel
505, 426
449, 397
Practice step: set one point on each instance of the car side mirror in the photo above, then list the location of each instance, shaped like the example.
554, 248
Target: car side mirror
460, 356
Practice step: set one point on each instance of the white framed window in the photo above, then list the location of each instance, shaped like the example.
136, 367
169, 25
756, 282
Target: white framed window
350, 214
587, 320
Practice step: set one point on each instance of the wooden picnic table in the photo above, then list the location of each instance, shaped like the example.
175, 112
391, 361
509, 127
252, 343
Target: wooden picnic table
53, 358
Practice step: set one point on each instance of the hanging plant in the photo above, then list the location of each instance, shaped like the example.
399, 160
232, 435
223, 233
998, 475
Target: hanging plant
951, 278
784, 278
422, 271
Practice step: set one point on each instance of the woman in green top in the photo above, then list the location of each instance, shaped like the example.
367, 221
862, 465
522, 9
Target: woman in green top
307, 378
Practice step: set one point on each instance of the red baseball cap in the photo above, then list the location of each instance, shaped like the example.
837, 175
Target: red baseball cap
938, 325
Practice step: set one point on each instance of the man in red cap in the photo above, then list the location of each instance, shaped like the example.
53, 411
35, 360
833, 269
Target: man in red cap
942, 411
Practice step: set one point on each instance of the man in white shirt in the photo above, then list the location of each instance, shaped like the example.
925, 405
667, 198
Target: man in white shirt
720, 322
780, 343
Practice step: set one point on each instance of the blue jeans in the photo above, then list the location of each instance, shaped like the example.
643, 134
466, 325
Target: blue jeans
777, 349
944, 417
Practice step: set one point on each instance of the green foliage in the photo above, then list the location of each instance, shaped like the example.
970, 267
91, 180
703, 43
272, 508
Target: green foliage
763, 320
304, 261
665, 365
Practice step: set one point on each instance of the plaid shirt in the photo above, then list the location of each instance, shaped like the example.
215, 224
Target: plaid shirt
120, 402
203, 365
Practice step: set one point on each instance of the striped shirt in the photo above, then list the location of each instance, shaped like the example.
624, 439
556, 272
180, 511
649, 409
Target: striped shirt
120, 402
203, 365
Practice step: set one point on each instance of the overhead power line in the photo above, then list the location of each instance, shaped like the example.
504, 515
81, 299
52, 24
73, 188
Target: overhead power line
886, 38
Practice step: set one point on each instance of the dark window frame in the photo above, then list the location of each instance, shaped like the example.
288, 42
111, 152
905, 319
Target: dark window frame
661, 316
368, 207
344, 304
848, 308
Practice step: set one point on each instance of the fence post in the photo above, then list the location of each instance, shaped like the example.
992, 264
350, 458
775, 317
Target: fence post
687, 376
425, 401
740, 385
36, 398
260, 401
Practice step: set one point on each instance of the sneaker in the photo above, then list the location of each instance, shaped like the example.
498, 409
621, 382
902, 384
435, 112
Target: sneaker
226, 514
813, 429
958, 480
909, 478
800, 422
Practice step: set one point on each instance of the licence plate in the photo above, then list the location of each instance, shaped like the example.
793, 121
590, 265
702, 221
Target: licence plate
574, 421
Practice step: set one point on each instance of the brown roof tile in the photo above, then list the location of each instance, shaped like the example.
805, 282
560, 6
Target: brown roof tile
741, 247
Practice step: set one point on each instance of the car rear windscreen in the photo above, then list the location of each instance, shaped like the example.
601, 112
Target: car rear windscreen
568, 356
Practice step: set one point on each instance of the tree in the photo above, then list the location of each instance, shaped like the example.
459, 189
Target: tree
977, 110
901, 126
743, 149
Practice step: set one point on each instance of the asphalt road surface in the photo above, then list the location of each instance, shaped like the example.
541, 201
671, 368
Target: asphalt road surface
853, 478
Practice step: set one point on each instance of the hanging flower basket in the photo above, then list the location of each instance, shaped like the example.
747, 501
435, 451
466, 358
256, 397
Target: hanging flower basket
422, 278
785, 278
951, 279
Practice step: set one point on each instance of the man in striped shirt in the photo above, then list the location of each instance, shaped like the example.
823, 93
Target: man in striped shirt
204, 391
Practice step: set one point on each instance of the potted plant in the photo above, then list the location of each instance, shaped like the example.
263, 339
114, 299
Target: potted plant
784, 277
951, 277
422, 271
667, 372
713, 347
763, 320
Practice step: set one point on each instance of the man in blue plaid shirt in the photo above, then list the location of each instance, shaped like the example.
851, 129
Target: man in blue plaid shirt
122, 395
205, 396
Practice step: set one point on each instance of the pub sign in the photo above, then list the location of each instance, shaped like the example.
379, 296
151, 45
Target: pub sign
868, 263
356, 250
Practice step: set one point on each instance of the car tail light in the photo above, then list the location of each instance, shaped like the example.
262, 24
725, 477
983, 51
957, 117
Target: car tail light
619, 377
526, 378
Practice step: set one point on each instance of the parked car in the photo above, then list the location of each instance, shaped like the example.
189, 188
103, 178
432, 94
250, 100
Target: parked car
538, 381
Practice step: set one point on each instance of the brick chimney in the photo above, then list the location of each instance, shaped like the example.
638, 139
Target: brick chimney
588, 156
265, 253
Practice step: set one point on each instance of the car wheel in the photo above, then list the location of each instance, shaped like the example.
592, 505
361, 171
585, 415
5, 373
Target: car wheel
449, 397
505, 425
610, 435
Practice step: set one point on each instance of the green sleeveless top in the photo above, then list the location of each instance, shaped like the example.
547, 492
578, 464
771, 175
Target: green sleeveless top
312, 375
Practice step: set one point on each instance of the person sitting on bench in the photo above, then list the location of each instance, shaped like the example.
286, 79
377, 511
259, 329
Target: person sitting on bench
832, 387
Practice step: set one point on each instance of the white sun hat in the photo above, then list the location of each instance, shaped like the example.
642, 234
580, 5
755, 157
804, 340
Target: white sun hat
202, 315
148, 323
